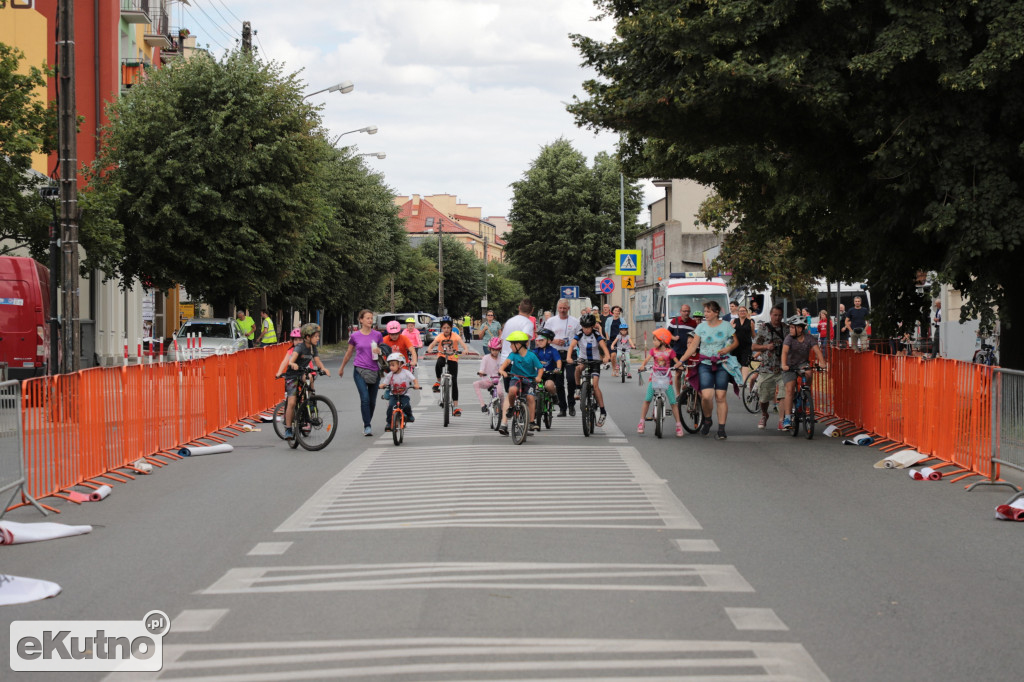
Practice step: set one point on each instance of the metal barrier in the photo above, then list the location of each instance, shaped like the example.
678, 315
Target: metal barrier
1007, 448
12, 466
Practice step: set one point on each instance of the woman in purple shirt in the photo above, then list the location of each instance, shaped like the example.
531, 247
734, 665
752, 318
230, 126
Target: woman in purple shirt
364, 343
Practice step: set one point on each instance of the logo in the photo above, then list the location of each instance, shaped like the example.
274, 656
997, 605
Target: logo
89, 645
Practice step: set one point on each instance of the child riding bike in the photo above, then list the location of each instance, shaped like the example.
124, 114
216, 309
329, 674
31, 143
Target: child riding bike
663, 358
549, 357
489, 371
524, 369
621, 345
397, 381
301, 356
592, 350
448, 346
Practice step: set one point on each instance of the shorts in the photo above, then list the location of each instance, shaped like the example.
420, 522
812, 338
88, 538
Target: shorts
717, 379
669, 393
593, 366
788, 376
291, 386
526, 385
768, 386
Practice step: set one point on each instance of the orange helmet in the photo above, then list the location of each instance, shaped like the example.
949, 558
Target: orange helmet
663, 335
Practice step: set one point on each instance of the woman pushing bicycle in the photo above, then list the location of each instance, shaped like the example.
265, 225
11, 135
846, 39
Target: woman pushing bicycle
448, 346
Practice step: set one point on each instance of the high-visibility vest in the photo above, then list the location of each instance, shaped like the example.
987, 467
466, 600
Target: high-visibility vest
271, 335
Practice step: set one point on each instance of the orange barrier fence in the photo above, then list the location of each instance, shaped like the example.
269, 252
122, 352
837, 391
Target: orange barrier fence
941, 408
95, 423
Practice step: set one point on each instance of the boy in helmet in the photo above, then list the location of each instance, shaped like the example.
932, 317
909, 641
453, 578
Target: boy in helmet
592, 351
397, 381
301, 356
548, 357
522, 369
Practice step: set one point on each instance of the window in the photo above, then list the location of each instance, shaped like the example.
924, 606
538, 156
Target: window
429, 223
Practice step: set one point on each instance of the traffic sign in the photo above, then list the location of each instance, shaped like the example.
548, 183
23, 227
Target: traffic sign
607, 286
627, 262
628, 282
569, 291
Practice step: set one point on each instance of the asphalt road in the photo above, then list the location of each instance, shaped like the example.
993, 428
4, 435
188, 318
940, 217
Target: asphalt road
461, 556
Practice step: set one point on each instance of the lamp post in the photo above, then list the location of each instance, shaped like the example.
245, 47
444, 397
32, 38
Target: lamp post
440, 269
344, 87
379, 155
369, 130
50, 194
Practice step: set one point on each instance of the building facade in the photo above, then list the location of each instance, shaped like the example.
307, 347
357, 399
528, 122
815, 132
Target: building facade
430, 215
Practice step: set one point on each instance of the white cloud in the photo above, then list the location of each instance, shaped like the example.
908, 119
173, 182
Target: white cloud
464, 92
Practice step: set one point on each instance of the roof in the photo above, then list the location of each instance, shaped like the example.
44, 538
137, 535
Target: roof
417, 224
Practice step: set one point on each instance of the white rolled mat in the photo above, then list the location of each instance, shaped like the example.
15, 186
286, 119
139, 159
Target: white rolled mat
193, 451
17, 590
13, 533
100, 493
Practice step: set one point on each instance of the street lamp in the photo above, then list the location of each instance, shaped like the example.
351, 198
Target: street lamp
440, 268
344, 87
379, 155
51, 194
369, 130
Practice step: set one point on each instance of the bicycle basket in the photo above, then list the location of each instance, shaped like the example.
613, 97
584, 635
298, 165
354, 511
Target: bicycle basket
661, 378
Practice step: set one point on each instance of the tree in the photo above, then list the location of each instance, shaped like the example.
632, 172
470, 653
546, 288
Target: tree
415, 281
504, 292
25, 127
883, 138
213, 170
565, 221
463, 275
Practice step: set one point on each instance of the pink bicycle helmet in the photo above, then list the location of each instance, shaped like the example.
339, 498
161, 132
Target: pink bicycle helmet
296, 333
494, 343
394, 327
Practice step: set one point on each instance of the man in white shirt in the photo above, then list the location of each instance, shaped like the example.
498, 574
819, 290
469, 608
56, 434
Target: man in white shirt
565, 327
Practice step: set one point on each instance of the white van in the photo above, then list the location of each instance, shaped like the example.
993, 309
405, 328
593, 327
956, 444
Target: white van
694, 289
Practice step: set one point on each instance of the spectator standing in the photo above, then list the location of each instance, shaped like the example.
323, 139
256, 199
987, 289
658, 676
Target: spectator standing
246, 326
268, 335
467, 328
565, 327
856, 323
825, 330
732, 314
844, 333
936, 327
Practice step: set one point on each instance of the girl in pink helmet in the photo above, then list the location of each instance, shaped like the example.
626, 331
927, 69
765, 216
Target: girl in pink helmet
488, 372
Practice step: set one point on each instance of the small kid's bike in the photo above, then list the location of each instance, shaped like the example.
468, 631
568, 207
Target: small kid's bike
689, 401
661, 380
494, 404
544, 405
397, 418
623, 360
518, 422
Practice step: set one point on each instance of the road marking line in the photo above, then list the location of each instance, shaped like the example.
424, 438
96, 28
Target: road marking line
269, 548
755, 619
696, 545
197, 620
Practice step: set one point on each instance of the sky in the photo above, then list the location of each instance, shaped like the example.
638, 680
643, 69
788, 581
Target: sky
464, 93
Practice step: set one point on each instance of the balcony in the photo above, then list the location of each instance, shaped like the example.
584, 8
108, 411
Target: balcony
156, 34
132, 72
135, 11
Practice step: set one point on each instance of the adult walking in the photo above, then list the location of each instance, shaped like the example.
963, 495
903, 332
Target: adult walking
268, 335
613, 325
744, 327
768, 342
363, 344
713, 341
565, 327
490, 329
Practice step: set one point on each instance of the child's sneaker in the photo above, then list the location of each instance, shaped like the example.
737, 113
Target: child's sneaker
763, 422
787, 422
679, 430
437, 387
640, 428
483, 408
288, 434
601, 417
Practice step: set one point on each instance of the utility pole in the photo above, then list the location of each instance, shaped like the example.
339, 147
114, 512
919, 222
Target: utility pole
246, 37
71, 339
440, 268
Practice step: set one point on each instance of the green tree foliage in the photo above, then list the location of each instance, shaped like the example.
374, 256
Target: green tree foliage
881, 137
565, 221
213, 168
415, 281
463, 276
25, 125
752, 262
504, 291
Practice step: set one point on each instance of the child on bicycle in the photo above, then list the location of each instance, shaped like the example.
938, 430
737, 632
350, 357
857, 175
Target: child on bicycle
400, 343
397, 381
448, 346
302, 356
490, 372
592, 352
412, 333
523, 369
549, 357
662, 358
621, 345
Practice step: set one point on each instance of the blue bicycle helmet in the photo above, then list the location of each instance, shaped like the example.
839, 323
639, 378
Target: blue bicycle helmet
442, 320
623, 326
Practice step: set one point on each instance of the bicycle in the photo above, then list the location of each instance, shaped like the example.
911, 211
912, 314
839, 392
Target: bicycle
623, 360
803, 404
397, 418
278, 418
518, 421
315, 420
545, 403
661, 381
689, 402
749, 393
588, 401
986, 355
445, 402
494, 405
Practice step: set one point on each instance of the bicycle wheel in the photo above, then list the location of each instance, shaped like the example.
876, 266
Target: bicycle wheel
446, 398
517, 424
622, 370
298, 423
592, 411
495, 410
798, 408
584, 406
749, 394
808, 416
689, 409
319, 423
548, 411
278, 419
397, 426
659, 414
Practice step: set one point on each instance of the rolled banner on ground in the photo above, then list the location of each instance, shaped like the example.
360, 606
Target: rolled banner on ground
196, 451
831, 431
1007, 513
931, 474
17, 590
889, 464
1018, 503
76, 496
14, 533
246, 427
100, 493
143, 466
915, 474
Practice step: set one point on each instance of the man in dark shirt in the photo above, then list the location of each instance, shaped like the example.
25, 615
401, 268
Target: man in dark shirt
681, 329
856, 324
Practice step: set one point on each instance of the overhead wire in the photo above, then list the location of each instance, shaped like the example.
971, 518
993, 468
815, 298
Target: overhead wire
228, 34
229, 11
203, 29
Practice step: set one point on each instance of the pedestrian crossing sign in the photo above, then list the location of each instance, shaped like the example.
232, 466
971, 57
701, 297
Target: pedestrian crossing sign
627, 262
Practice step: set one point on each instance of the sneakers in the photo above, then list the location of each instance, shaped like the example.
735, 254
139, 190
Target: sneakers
640, 428
629, 376
601, 417
576, 397
387, 428
367, 431
288, 433
763, 421
409, 419
503, 430
679, 430
437, 387
781, 427
561, 413
787, 422
572, 411
456, 412
508, 413
483, 408
705, 427
721, 433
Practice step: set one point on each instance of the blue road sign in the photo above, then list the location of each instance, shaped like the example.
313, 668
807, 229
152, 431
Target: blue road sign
569, 291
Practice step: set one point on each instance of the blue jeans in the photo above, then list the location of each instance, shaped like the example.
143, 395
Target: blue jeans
367, 397
402, 400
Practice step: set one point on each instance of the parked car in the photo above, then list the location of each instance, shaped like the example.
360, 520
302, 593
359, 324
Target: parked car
220, 335
24, 315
